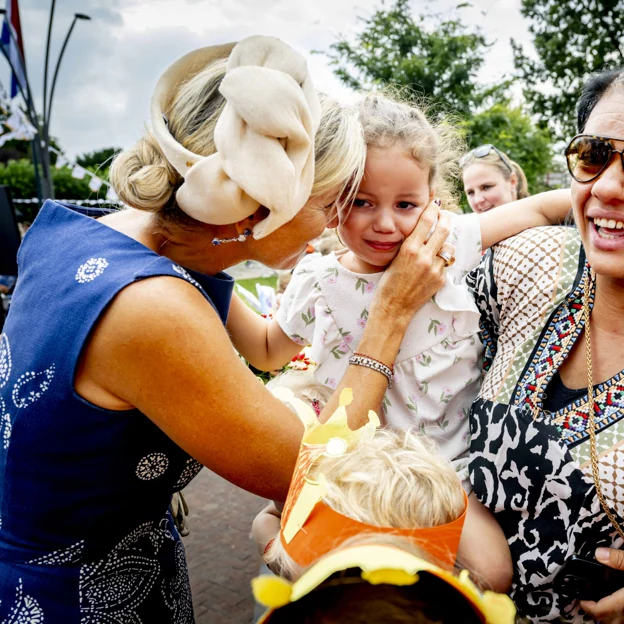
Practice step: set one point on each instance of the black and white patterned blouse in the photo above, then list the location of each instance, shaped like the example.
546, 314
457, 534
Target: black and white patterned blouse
529, 466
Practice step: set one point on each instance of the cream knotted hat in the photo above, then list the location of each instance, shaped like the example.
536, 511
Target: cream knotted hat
264, 136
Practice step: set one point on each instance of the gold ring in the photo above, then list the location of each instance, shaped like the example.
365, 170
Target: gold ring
449, 259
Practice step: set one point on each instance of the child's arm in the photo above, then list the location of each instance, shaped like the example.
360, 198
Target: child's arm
510, 219
483, 549
260, 341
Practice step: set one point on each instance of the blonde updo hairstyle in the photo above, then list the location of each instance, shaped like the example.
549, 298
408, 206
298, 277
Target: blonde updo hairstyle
388, 121
494, 160
395, 479
144, 179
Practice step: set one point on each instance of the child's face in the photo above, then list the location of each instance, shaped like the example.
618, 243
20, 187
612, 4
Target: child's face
393, 194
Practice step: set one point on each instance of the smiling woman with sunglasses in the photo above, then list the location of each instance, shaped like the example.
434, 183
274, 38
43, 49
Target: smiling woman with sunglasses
547, 450
491, 178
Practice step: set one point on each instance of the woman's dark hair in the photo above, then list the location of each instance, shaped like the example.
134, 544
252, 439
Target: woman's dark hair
594, 90
429, 601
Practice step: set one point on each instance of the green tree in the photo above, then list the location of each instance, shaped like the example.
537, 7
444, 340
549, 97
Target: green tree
433, 57
512, 130
572, 40
19, 175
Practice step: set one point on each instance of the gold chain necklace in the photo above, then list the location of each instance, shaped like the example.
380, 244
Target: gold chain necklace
592, 416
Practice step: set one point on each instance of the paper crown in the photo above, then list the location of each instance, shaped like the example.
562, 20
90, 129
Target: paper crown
264, 136
379, 564
309, 527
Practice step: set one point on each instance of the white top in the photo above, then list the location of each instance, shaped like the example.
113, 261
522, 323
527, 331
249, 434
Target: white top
438, 369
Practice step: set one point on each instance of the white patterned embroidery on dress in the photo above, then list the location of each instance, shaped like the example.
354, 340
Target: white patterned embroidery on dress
191, 470
177, 592
5, 425
114, 588
63, 556
25, 609
31, 386
152, 466
91, 269
186, 275
5, 360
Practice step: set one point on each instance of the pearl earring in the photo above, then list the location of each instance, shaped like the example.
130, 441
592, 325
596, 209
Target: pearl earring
241, 238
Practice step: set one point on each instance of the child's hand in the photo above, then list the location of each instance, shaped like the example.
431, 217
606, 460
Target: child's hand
265, 527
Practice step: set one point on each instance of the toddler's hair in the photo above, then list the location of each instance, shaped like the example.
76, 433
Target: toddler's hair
395, 479
387, 121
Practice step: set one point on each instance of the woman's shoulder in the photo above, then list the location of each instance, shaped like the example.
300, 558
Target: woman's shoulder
540, 258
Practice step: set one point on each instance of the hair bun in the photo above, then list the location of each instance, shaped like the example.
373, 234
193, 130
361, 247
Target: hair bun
142, 177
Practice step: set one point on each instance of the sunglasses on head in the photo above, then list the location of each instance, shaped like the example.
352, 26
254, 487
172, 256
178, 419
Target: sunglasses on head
481, 152
588, 156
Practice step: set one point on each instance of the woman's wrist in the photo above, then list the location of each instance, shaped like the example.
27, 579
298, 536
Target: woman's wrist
382, 338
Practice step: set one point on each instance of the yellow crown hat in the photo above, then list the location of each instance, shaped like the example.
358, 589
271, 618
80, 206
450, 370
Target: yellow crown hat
379, 564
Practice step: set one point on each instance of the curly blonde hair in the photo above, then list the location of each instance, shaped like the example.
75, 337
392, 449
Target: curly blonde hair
144, 179
388, 119
395, 479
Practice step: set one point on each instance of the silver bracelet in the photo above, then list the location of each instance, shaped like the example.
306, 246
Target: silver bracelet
368, 362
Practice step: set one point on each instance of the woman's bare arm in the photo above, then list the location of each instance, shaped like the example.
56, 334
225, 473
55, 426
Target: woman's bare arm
510, 219
160, 348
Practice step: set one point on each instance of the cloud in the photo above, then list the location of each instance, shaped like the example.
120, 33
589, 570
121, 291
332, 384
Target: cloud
112, 62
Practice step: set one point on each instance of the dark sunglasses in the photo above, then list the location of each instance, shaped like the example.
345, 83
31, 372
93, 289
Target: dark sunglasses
588, 156
481, 152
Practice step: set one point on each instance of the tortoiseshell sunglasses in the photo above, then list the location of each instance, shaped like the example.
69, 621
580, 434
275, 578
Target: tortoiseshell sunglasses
588, 156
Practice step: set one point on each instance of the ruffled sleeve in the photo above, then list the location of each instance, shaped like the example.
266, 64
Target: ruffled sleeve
297, 313
454, 296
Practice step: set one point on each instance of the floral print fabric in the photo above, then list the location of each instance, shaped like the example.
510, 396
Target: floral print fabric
437, 371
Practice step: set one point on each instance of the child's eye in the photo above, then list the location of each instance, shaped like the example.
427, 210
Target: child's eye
360, 203
406, 205
469, 193
487, 187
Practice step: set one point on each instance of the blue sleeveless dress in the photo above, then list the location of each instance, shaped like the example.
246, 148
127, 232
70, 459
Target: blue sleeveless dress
85, 532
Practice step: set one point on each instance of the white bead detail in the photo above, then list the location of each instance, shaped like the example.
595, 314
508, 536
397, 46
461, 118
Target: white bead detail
5, 359
152, 466
185, 274
91, 269
5, 425
191, 470
35, 393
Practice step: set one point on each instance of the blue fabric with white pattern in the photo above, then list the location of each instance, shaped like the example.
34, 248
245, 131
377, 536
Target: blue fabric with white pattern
85, 533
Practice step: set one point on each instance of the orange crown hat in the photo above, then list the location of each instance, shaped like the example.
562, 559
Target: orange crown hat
379, 564
310, 528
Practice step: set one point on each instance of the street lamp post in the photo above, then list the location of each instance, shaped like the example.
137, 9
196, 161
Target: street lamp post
41, 146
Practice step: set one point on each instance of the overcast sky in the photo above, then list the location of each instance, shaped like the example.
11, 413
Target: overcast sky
112, 62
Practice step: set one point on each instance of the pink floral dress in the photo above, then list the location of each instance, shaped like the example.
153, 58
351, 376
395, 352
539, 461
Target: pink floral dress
438, 369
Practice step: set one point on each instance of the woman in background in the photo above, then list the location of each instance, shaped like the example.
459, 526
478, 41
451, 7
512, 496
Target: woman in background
491, 178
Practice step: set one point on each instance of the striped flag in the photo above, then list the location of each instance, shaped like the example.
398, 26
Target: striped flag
12, 42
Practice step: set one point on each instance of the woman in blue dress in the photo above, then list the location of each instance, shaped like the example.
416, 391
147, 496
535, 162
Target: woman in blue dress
118, 381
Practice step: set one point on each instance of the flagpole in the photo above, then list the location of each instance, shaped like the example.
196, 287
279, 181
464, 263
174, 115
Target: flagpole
41, 144
48, 109
47, 57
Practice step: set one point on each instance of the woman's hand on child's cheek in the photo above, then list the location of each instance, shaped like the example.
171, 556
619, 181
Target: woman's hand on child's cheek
609, 610
417, 272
